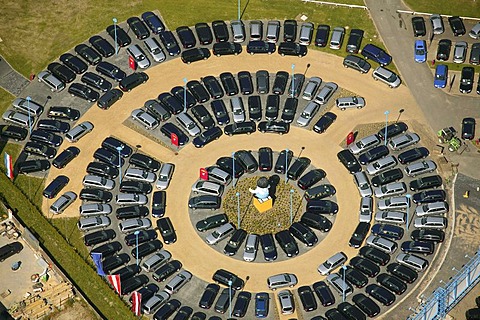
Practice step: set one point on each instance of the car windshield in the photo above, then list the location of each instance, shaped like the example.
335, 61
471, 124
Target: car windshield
440, 76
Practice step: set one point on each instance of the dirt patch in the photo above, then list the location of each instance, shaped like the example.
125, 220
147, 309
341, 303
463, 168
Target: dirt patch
75, 310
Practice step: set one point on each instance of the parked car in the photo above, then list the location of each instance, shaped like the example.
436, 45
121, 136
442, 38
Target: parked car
466, 79
261, 304
110, 70
359, 234
83, 91
368, 267
324, 293
133, 80
281, 280
62, 72
321, 37
386, 76
354, 40
292, 49
420, 51
119, 35
102, 46
351, 163
468, 128
96, 81
311, 178
325, 121
456, 23
433, 235
169, 42
403, 272
418, 24
186, 36
87, 53
287, 243
195, 54
74, 63
443, 50
268, 247
332, 263
13, 132
356, 63
303, 233
380, 294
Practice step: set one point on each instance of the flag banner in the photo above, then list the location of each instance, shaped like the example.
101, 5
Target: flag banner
203, 174
115, 281
132, 63
174, 139
350, 138
137, 303
7, 159
97, 259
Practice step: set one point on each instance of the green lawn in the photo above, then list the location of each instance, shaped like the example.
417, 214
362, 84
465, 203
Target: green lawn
6, 99
467, 8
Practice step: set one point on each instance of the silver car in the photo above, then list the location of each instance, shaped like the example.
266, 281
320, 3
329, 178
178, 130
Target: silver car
431, 222
402, 141
391, 189
393, 203
129, 199
79, 131
366, 209
332, 263
238, 110
282, 280
132, 225
387, 76
154, 49
92, 181
220, 233
86, 224
95, 209
251, 247
287, 306
440, 207
350, 102
381, 165
140, 175
308, 113
311, 88
437, 24
364, 144
460, 52
396, 217
145, 119
382, 244
420, 167
188, 124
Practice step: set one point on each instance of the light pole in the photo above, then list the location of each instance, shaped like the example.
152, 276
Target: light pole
48, 99
344, 281
29, 121
238, 208
136, 233
230, 298
185, 95
115, 30
399, 114
306, 69
238, 20
286, 164
386, 124
291, 205
293, 80
408, 208
301, 150
233, 168
119, 149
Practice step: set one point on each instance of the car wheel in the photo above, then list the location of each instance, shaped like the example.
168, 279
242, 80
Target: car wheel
280, 133
359, 107
282, 54
343, 109
300, 56
249, 133
251, 53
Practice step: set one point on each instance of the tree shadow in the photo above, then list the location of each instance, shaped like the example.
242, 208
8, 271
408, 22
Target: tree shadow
273, 182
244, 9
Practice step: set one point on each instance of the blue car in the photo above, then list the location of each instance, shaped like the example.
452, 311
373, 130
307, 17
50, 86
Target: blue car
420, 51
441, 76
261, 304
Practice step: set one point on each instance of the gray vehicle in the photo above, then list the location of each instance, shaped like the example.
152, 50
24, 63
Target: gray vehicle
342, 287
306, 33
366, 209
311, 88
165, 176
128, 199
364, 144
208, 187
308, 114
256, 30
251, 247
63, 202
79, 131
145, 119
18, 118
363, 185
95, 209
437, 24
460, 52
382, 244
381, 165
178, 282
412, 261
154, 49
393, 203
386, 76
345, 103
92, 181
431, 222
357, 63
390, 189
395, 217
437, 208
91, 223
273, 30
27, 107
335, 261
188, 124
132, 225
238, 30
337, 38
475, 32
139, 56
140, 175
55, 84
282, 280
402, 141
420, 167
326, 93
220, 233
287, 306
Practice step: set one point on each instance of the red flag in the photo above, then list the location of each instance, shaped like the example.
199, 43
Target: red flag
350, 138
115, 281
137, 303
174, 139
131, 63
203, 174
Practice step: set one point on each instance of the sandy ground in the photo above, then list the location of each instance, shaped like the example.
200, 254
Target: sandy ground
321, 149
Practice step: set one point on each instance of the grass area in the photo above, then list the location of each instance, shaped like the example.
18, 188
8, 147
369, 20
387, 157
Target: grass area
6, 99
68, 229
468, 8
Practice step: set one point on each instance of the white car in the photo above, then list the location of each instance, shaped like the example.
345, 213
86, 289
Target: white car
251, 247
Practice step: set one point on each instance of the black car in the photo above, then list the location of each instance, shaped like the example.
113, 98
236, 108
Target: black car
168, 128
173, 105
319, 192
223, 276
133, 80
419, 29
311, 178
220, 30
159, 200
421, 247
354, 40
180, 93
380, 294
83, 91
102, 46
268, 247
367, 305
144, 162
165, 271
204, 33
325, 121
199, 316
303, 233
101, 236
347, 158
316, 221
246, 127
119, 35
366, 266
279, 127
74, 63
186, 36
468, 128
219, 110
138, 28
142, 236
102, 169
389, 231
351, 311
292, 49
96, 195
373, 154
297, 168
387, 177
166, 229
403, 272
466, 79
169, 42
46, 137
392, 283
195, 54
226, 48
96, 81
283, 161
118, 146
213, 87
64, 113
53, 125
289, 109
10, 249
167, 309
321, 37
153, 22
211, 222
65, 157
353, 276
392, 130
255, 108
62, 72
272, 106
287, 243
374, 254
13, 132
456, 23
265, 158
229, 83
110, 70
209, 295
135, 187
433, 235
207, 136
443, 51
55, 186
429, 196
259, 46
31, 166
359, 234
87, 53
40, 149
245, 81
307, 298
108, 249
241, 305
132, 284
130, 212
108, 157
290, 30
280, 82
322, 207
146, 248
228, 164
426, 182
413, 154
324, 293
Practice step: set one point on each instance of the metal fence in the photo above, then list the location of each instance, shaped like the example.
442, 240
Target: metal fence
443, 299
